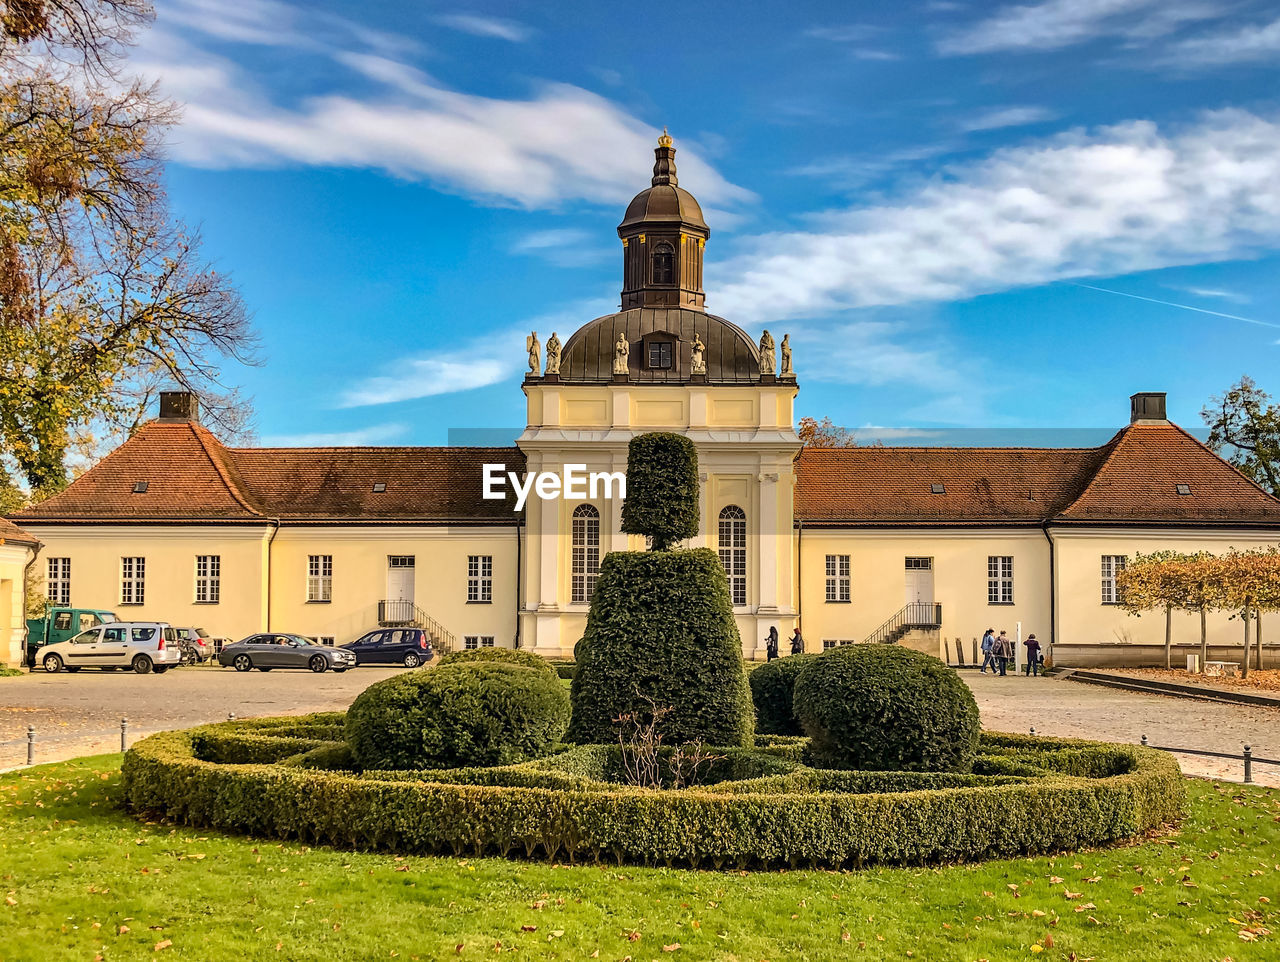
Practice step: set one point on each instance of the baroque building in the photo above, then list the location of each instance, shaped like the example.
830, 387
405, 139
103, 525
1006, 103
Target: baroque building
914, 545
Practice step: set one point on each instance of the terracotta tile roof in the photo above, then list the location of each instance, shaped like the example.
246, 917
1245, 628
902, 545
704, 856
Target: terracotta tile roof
11, 532
191, 476
879, 485
1139, 477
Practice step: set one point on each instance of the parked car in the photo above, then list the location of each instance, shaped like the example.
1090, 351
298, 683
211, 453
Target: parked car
144, 646
267, 651
61, 624
195, 649
410, 647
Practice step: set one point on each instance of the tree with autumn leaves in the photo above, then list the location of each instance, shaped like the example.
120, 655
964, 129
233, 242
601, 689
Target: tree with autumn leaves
1246, 583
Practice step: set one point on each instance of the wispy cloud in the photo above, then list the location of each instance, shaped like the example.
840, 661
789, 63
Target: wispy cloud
1054, 24
490, 359
1247, 44
564, 246
1215, 293
875, 353
376, 434
1125, 198
561, 143
480, 26
999, 118
1181, 307
856, 37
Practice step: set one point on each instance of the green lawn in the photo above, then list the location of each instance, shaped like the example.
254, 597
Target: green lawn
80, 880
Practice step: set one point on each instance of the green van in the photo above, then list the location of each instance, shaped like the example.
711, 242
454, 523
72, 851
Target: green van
62, 624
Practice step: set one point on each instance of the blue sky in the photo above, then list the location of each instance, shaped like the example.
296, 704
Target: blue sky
927, 196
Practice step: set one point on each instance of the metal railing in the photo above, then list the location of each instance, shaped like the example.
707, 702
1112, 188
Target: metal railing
918, 614
1247, 756
406, 613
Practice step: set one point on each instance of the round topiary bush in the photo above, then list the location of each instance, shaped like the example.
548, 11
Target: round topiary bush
771, 691
661, 634
884, 708
509, 656
463, 714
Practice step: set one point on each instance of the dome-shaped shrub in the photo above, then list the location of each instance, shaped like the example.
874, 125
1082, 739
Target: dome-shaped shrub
771, 691
510, 656
464, 714
885, 708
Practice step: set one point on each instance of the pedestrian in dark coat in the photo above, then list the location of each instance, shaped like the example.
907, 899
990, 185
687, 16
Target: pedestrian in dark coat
1033, 655
988, 650
771, 644
797, 643
1004, 651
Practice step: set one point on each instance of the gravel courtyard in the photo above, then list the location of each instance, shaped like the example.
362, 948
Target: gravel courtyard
80, 714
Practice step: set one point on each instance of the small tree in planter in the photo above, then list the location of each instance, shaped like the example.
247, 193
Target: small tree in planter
661, 629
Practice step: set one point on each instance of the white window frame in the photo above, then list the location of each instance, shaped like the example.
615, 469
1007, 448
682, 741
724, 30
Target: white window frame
838, 580
999, 579
133, 580
472, 642
479, 579
732, 534
319, 578
208, 579
58, 583
585, 553
1112, 565
829, 643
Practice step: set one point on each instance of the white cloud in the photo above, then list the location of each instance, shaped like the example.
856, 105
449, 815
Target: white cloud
562, 143
875, 353
564, 246
1125, 198
480, 26
376, 434
1000, 117
1214, 293
1246, 44
1054, 24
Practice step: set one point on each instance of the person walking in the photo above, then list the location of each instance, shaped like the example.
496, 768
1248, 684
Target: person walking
1033, 655
988, 643
771, 644
1004, 652
797, 643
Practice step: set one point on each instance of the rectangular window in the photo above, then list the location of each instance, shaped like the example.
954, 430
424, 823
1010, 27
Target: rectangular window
999, 580
919, 564
829, 643
1112, 565
58, 585
837, 577
660, 354
133, 572
208, 579
400, 561
479, 579
326, 640
477, 641
320, 577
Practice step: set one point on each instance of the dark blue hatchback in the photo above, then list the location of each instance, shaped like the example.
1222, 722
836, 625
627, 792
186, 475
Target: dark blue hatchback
410, 647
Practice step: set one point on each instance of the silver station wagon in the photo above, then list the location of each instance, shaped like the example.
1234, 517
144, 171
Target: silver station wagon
144, 646
274, 650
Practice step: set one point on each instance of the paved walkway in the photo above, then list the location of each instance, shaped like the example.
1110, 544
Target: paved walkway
80, 714
1073, 709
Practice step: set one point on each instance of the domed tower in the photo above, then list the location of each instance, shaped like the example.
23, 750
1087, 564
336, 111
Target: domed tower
663, 236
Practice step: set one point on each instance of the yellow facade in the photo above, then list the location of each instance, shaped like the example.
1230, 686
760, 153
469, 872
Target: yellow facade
14, 558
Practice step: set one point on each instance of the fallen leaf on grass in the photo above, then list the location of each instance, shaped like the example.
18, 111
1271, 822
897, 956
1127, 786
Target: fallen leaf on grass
161, 946
674, 946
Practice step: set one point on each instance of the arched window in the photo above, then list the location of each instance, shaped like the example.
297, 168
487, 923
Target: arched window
586, 552
664, 264
733, 551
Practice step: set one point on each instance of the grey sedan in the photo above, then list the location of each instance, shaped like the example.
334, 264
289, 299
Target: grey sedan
267, 651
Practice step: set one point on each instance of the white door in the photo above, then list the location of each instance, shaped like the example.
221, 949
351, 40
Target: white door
919, 581
400, 570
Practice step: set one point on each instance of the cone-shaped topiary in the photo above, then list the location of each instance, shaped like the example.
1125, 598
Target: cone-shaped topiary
886, 708
771, 691
661, 634
662, 489
465, 714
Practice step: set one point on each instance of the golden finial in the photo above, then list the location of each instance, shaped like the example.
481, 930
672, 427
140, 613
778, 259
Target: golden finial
665, 139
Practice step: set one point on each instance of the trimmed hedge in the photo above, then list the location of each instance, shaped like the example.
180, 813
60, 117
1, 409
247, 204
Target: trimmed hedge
886, 708
662, 489
560, 807
661, 634
771, 690
508, 656
471, 712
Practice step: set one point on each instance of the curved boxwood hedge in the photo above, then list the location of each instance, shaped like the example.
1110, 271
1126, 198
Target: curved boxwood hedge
763, 808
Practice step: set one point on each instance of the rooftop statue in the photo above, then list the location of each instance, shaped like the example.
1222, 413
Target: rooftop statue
534, 347
621, 354
768, 359
553, 354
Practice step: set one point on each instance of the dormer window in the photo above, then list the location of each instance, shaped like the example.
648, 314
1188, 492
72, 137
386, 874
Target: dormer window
140, 487
664, 265
1184, 489
660, 353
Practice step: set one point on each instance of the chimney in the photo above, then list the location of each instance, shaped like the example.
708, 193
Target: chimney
179, 406
1147, 407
